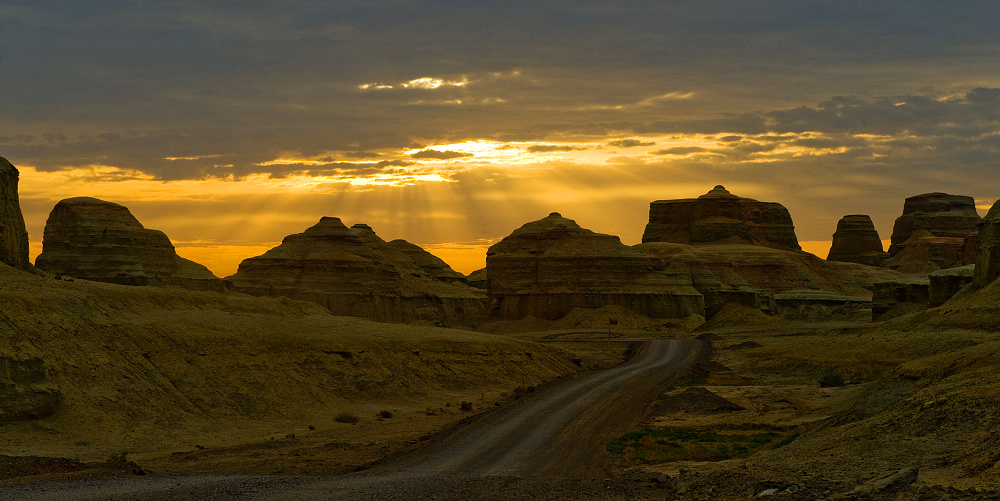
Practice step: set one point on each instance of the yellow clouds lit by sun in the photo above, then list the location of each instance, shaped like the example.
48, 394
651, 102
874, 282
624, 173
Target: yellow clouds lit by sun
425, 83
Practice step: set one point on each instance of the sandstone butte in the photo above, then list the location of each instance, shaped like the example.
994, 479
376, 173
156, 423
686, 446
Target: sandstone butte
933, 233
431, 264
353, 272
13, 235
102, 241
721, 217
856, 241
550, 266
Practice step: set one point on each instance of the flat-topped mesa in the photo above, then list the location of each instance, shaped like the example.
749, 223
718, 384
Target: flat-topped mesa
431, 264
550, 266
353, 272
13, 235
102, 241
856, 241
720, 217
931, 233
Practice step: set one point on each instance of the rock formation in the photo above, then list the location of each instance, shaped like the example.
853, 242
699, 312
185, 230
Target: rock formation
946, 283
478, 279
431, 264
931, 233
25, 391
900, 297
856, 241
102, 241
720, 217
550, 266
353, 272
988, 248
755, 277
13, 236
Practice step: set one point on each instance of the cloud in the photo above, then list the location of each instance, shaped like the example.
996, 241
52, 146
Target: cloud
548, 148
680, 150
439, 155
630, 143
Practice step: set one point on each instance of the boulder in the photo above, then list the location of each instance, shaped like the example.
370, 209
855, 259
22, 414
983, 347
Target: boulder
988, 248
931, 233
13, 235
550, 266
353, 272
102, 241
723, 218
431, 264
856, 241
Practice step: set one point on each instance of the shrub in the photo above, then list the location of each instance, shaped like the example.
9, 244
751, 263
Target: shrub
466, 406
830, 377
346, 417
385, 414
121, 457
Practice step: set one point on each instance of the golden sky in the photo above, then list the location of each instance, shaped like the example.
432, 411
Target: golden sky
449, 125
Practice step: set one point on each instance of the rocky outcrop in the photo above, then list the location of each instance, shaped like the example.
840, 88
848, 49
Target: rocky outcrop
931, 233
900, 297
722, 218
988, 248
353, 272
946, 283
13, 235
431, 264
550, 266
856, 241
102, 241
478, 279
813, 305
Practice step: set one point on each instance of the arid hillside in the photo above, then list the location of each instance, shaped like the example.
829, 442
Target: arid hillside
93, 370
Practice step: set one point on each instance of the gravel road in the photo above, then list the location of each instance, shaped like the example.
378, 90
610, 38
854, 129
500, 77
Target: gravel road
547, 445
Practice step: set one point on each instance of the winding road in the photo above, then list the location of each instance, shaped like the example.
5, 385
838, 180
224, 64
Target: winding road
557, 432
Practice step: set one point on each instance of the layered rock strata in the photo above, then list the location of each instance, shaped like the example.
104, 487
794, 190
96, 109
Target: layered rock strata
102, 241
25, 391
723, 218
550, 266
856, 241
13, 235
931, 233
353, 272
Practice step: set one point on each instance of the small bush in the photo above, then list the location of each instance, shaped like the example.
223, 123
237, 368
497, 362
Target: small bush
830, 377
346, 417
466, 406
385, 414
121, 457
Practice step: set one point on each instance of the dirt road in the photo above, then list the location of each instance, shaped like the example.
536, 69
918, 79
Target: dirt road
553, 437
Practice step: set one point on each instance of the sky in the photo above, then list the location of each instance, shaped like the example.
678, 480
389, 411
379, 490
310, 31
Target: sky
231, 124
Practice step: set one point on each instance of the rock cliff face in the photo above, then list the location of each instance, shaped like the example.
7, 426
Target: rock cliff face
988, 248
856, 241
353, 272
102, 241
720, 217
25, 391
431, 264
550, 266
13, 236
758, 277
931, 233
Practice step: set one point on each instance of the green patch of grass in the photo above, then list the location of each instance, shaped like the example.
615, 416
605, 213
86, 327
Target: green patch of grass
660, 445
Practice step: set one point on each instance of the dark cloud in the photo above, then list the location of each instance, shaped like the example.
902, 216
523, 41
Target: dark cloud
439, 155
